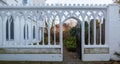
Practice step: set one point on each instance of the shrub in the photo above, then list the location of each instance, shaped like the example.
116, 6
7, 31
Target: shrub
70, 43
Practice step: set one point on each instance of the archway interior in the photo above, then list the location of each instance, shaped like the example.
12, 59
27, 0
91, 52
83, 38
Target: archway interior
72, 37
72, 33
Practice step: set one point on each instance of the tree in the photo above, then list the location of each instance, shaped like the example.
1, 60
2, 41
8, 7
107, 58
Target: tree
117, 1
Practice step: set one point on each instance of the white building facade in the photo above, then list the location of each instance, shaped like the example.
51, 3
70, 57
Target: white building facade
24, 26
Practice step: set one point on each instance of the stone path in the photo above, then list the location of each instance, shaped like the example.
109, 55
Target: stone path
70, 56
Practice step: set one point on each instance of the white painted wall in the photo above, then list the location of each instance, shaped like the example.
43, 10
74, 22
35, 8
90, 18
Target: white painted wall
114, 30
20, 25
21, 36
4, 31
17, 30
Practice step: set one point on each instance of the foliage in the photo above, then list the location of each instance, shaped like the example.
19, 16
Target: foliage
70, 43
117, 1
45, 40
72, 31
86, 32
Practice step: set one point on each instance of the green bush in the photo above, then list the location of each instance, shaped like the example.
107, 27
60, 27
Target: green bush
72, 31
70, 43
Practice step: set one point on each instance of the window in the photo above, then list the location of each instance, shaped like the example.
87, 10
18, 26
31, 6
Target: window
10, 29
26, 32
7, 31
33, 32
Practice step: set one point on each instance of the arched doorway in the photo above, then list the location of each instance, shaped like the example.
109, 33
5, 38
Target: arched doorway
72, 38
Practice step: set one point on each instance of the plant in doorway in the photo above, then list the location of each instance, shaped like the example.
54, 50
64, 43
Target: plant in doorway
70, 44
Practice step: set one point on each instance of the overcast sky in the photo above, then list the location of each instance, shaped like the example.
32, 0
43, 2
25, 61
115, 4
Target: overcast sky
79, 1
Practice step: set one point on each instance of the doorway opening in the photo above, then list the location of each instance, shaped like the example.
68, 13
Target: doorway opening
72, 38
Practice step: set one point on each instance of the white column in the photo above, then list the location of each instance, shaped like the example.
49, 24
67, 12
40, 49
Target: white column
43, 28
94, 31
25, 29
23, 24
20, 31
48, 31
54, 32
16, 30
31, 32
1, 30
89, 30
61, 36
4, 30
37, 34
83, 35
113, 30
100, 25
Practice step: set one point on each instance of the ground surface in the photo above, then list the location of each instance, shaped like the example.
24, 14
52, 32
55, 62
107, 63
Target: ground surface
69, 58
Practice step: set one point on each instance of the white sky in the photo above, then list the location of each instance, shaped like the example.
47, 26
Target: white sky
79, 1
